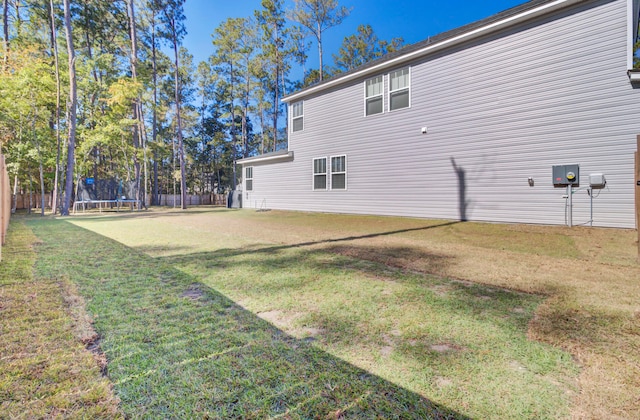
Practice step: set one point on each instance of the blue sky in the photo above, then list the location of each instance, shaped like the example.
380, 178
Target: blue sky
413, 20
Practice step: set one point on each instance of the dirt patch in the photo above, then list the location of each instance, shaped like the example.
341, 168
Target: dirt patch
442, 382
193, 292
271, 316
445, 348
442, 290
76, 307
286, 321
83, 323
311, 332
395, 256
517, 366
98, 355
386, 351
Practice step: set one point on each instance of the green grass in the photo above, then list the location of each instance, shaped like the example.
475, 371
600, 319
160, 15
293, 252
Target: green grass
198, 318
45, 370
179, 349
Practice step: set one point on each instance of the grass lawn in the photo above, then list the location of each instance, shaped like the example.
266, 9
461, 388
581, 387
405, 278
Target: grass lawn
216, 313
45, 368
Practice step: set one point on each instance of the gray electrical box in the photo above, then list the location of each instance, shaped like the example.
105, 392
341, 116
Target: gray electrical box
564, 175
597, 181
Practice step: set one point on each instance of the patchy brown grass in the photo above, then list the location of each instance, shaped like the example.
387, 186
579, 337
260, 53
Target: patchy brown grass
46, 370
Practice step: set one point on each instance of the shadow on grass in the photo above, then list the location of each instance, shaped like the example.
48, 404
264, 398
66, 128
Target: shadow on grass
252, 249
505, 308
177, 348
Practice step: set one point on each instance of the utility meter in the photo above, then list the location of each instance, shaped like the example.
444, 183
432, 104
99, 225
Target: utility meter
564, 175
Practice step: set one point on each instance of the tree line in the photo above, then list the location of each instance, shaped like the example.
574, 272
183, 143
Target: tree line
105, 90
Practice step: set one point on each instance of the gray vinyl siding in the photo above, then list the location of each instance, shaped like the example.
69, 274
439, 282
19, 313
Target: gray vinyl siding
505, 107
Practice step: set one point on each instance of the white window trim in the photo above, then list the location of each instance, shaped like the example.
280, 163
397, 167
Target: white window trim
632, 18
366, 97
398, 90
330, 170
299, 116
326, 174
247, 178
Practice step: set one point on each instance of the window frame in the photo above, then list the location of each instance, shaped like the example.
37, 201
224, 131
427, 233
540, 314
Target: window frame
407, 88
344, 172
314, 174
380, 95
297, 117
248, 178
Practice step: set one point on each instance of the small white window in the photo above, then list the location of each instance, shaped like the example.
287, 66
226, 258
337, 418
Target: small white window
320, 174
399, 85
339, 172
373, 101
248, 178
297, 116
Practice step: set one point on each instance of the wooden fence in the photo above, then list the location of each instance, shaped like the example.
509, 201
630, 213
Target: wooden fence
5, 203
194, 200
23, 200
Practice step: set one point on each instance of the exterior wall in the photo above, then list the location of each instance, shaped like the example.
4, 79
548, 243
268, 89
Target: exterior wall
499, 110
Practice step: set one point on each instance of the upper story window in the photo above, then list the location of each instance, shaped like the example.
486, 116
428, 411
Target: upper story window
248, 178
339, 172
399, 85
320, 174
297, 116
374, 95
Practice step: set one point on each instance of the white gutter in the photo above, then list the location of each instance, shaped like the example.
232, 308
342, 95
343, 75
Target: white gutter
268, 158
492, 27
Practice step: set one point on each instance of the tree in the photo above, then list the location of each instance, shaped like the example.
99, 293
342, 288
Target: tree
227, 62
317, 16
362, 47
54, 49
275, 58
173, 20
138, 128
73, 103
151, 37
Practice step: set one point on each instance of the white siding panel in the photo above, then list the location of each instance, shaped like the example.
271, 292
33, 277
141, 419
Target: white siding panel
505, 108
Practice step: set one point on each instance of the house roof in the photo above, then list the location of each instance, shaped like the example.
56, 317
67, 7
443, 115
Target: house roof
509, 17
268, 157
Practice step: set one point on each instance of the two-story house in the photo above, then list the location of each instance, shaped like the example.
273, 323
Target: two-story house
469, 123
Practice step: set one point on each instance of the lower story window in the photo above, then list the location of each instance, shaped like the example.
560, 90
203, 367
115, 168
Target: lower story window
339, 172
248, 178
320, 174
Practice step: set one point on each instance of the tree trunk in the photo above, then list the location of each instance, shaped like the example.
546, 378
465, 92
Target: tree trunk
245, 111
5, 26
42, 198
39, 152
183, 176
137, 129
276, 92
154, 129
15, 194
18, 20
320, 52
233, 126
30, 191
54, 47
73, 100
